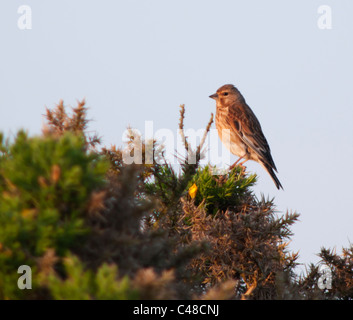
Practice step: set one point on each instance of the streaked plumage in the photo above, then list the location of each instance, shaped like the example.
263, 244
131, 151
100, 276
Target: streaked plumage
247, 140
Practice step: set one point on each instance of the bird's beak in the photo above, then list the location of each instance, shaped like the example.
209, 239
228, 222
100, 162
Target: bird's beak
214, 96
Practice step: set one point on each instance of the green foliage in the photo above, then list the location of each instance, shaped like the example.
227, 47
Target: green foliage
221, 192
45, 186
81, 284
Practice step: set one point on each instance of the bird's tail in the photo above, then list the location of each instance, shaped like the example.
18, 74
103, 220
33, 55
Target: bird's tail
271, 172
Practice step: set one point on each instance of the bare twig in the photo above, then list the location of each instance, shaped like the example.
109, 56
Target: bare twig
199, 148
181, 127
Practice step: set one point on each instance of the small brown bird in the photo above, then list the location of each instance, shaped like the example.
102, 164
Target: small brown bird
240, 131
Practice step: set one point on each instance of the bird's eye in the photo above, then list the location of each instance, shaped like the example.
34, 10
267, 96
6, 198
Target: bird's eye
225, 93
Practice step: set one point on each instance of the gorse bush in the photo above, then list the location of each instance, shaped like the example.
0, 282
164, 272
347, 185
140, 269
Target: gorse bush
92, 227
45, 186
220, 193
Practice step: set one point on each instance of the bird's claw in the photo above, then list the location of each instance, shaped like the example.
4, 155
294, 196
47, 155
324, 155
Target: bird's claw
243, 168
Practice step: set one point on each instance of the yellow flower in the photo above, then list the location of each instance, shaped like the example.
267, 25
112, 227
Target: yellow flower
193, 191
29, 213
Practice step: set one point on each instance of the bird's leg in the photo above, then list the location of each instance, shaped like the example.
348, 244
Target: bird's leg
236, 162
242, 165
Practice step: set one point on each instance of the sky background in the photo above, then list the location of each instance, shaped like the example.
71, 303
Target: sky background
137, 61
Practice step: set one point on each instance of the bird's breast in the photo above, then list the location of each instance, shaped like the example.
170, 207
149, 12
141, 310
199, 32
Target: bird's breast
221, 117
228, 135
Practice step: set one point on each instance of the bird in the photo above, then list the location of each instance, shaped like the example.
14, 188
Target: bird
240, 130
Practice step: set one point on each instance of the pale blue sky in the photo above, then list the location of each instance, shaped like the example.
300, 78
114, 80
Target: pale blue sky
139, 60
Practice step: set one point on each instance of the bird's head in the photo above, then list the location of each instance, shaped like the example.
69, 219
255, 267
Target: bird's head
226, 95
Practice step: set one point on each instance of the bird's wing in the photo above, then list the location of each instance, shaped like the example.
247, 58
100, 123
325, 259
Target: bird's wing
248, 128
